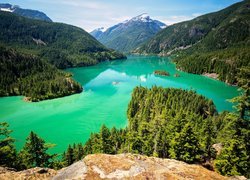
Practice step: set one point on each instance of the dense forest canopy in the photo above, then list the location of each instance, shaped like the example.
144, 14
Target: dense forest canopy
179, 124
213, 43
60, 44
28, 75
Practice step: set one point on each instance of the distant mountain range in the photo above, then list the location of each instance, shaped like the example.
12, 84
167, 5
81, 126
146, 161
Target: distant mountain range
129, 34
213, 43
216, 30
34, 14
98, 32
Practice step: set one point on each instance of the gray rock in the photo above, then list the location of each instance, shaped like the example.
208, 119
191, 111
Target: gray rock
76, 170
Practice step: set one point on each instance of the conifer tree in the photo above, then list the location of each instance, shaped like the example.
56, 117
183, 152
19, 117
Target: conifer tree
106, 146
34, 152
234, 159
69, 156
185, 146
78, 152
7, 148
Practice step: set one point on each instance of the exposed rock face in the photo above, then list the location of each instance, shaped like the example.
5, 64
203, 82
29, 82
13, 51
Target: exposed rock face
127, 166
211, 75
77, 170
218, 147
31, 174
122, 166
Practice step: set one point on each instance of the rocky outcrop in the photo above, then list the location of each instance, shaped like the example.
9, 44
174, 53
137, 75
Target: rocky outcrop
211, 75
122, 166
31, 174
128, 166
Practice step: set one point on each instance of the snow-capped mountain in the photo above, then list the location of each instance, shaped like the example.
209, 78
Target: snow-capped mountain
24, 12
143, 17
7, 7
97, 32
129, 34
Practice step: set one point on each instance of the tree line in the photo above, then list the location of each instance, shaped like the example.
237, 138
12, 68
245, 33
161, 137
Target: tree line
226, 63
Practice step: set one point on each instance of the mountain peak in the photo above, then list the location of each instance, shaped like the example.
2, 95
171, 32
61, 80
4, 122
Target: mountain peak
7, 7
101, 29
119, 36
142, 17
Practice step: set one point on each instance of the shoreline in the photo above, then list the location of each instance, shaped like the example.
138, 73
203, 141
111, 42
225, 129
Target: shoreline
211, 75
27, 99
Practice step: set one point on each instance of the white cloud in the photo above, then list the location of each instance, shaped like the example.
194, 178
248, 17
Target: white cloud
92, 14
196, 14
169, 20
119, 19
88, 5
87, 14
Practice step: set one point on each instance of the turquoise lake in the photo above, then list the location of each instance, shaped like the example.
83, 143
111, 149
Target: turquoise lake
107, 91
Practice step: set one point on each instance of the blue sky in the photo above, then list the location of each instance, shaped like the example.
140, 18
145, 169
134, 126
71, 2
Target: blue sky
91, 14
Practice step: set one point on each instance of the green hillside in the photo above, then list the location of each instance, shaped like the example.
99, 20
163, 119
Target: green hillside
32, 50
213, 43
60, 44
28, 75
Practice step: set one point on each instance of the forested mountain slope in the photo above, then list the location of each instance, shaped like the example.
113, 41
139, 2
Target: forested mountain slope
32, 50
213, 43
60, 44
28, 75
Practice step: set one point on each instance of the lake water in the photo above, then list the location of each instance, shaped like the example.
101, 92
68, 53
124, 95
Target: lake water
107, 91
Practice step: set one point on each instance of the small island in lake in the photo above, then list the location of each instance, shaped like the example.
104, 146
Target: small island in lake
176, 75
161, 73
115, 82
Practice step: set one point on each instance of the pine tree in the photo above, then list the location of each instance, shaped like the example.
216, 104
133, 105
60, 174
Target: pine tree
78, 152
115, 140
208, 135
7, 148
243, 107
106, 146
69, 156
34, 152
185, 146
234, 159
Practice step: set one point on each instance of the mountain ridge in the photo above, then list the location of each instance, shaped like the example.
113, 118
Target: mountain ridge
29, 13
129, 34
217, 42
60, 44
